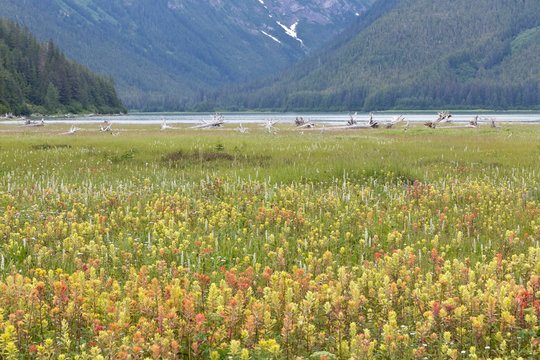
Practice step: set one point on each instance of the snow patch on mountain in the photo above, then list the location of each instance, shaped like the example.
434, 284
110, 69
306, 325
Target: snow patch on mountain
291, 31
271, 37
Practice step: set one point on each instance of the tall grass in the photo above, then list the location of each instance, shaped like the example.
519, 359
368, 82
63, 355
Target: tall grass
213, 244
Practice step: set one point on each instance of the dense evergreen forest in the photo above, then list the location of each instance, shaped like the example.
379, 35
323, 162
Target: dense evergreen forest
161, 52
38, 78
411, 54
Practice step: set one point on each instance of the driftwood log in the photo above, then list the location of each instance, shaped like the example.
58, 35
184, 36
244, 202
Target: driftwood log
241, 129
395, 120
106, 126
269, 126
444, 117
217, 121
32, 123
71, 131
302, 123
372, 123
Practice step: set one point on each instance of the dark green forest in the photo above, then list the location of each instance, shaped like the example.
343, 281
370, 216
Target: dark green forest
161, 52
410, 54
37, 78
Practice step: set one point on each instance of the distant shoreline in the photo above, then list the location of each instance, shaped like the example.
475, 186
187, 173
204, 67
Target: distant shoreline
8, 117
135, 118
392, 111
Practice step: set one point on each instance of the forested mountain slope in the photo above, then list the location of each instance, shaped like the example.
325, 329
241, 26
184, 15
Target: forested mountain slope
37, 77
160, 51
413, 54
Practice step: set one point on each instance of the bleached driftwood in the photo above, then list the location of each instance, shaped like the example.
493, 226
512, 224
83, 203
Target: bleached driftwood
34, 123
269, 126
71, 131
372, 123
406, 127
106, 126
307, 126
472, 124
352, 121
217, 121
165, 126
242, 129
302, 123
444, 117
395, 120
492, 123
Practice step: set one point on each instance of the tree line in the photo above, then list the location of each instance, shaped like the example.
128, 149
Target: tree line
38, 78
446, 54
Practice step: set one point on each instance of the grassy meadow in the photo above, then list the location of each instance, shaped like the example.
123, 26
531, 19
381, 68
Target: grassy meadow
211, 244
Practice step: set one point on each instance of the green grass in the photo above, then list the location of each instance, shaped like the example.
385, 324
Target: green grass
145, 161
347, 233
289, 156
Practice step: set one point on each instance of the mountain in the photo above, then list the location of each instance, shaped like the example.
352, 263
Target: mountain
160, 51
37, 77
412, 54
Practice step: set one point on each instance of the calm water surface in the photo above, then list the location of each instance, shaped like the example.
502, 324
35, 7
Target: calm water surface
246, 118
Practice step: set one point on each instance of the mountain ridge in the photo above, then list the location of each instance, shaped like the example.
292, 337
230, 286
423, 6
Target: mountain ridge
162, 51
412, 54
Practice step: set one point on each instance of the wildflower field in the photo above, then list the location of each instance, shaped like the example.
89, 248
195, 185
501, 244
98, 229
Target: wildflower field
189, 244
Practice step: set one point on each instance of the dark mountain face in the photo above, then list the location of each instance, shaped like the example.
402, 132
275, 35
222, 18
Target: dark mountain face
414, 54
162, 50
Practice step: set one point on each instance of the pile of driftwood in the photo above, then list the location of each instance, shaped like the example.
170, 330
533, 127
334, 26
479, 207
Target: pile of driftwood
445, 118
34, 123
371, 123
491, 121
